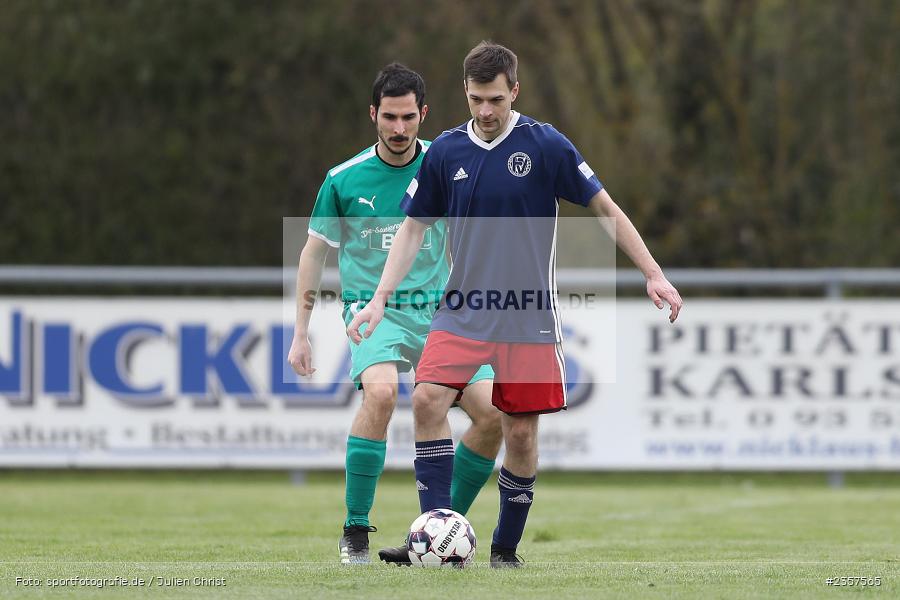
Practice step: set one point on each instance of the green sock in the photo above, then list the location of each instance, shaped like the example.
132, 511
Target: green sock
365, 462
470, 473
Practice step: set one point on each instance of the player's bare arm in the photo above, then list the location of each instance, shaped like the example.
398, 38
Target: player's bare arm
309, 277
629, 240
400, 259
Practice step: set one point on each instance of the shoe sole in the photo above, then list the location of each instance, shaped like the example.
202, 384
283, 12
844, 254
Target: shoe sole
346, 559
506, 565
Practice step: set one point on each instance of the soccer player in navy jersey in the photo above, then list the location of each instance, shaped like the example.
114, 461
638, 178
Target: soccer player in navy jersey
498, 180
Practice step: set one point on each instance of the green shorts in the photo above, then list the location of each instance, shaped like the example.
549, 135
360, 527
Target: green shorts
399, 338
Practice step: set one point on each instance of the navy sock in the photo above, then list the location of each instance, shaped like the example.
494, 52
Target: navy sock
516, 494
434, 473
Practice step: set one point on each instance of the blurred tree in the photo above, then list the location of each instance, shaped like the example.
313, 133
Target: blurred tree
738, 133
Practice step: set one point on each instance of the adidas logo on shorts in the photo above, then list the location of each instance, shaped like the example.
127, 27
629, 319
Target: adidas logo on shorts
521, 499
421, 486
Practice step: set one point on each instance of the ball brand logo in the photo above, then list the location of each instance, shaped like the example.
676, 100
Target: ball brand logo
519, 164
449, 537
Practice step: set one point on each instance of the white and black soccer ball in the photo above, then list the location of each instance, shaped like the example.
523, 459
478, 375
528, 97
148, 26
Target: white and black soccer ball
441, 537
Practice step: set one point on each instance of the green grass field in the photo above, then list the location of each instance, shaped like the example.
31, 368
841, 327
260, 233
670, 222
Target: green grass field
588, 535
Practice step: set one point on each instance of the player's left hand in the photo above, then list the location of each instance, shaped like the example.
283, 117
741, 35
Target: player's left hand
659, 289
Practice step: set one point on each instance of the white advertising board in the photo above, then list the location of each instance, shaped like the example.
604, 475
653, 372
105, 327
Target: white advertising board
735, 384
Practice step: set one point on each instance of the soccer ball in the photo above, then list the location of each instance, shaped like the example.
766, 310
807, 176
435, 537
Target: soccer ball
441, 537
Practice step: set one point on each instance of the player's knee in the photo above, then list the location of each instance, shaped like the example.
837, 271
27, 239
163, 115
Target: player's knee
380, 397
487, 422
427, 407
520, 436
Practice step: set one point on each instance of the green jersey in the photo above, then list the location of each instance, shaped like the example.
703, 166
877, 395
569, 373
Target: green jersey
358, 211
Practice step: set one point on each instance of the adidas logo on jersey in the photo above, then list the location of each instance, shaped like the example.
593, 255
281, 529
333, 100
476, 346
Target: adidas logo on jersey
461, 174
421, 486
521, 499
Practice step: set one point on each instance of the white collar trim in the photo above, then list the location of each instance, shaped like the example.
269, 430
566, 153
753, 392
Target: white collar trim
470, 129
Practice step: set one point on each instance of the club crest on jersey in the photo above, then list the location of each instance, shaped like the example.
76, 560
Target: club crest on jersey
519, 164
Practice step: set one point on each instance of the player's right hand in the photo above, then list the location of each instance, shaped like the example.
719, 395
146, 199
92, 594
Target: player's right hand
300, 356
659, 289
372, 314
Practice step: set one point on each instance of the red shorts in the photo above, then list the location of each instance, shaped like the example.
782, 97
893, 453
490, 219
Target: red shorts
528, 378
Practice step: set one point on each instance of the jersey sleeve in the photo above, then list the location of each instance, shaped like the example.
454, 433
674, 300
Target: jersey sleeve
575, 180
325, 222
425, 200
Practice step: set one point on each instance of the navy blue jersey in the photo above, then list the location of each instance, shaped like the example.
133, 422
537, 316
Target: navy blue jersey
501, 200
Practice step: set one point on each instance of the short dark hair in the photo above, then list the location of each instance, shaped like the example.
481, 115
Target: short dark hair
487, 60
397, 80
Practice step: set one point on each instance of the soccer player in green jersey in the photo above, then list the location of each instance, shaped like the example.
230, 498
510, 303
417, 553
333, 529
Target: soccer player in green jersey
357, 211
